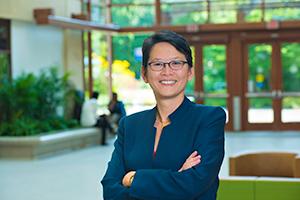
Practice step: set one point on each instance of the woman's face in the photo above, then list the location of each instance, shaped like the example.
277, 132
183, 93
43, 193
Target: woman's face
167, 83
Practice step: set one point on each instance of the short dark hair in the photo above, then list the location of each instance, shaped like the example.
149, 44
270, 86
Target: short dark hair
95, 95
114, 95
176, 40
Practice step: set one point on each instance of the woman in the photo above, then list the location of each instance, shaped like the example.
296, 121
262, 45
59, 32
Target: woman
157, 152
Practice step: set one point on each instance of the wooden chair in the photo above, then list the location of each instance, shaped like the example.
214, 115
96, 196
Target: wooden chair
276, 164
297, 167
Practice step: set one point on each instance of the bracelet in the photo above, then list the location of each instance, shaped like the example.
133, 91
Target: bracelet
131, 180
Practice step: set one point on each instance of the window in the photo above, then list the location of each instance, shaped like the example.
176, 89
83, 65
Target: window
4, 48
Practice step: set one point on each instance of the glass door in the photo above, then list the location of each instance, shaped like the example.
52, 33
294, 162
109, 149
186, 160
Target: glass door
214, 91
272, 97
289, 91
260, 88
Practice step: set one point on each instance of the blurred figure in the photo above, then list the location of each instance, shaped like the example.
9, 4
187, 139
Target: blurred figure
89, 114
90, 118
78, 103
117, 111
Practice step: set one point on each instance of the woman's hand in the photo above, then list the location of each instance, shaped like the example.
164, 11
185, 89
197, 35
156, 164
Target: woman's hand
128, 178
193, 160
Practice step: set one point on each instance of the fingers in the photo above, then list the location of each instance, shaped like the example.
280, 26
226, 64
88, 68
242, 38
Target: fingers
190, 163
193, 157
193, 160
195, 153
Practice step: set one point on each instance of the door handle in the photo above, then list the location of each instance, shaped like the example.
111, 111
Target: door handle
279, 94
274, 93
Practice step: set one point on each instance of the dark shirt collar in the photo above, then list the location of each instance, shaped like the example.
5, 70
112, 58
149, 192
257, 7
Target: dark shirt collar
178, 112
181, 109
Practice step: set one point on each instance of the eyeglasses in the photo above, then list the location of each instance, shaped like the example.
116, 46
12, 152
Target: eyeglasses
174, 65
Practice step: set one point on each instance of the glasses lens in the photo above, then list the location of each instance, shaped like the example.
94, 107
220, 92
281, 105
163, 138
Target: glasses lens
176, 64
156, 66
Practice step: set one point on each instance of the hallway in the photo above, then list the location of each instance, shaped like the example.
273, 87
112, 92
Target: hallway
76, 175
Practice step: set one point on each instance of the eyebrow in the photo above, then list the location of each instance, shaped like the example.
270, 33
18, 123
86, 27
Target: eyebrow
160, 59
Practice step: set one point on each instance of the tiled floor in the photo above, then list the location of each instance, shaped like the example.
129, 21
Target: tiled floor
76, 175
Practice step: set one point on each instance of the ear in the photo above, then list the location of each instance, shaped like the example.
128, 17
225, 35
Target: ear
190, 73
144, 74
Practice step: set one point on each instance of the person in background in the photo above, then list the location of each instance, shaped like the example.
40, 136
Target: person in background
175, 150
116, 109
89, 109
90, 118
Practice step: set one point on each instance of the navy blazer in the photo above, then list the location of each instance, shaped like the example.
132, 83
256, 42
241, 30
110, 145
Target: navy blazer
193, 127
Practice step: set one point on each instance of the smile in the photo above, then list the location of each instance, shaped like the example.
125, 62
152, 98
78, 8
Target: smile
168, 82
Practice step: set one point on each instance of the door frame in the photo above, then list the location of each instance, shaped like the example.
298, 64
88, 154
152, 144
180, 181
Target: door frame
276, 84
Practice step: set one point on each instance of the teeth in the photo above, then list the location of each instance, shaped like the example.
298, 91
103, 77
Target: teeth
168, 82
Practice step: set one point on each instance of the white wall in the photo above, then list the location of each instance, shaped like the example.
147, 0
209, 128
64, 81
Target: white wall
23, 9
35, 47
73, 57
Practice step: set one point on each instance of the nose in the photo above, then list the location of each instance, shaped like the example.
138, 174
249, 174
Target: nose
167, 68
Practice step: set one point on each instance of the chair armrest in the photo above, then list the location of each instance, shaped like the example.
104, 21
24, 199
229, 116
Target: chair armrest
297, 167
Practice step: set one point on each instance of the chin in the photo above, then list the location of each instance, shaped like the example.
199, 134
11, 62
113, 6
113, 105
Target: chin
169, 95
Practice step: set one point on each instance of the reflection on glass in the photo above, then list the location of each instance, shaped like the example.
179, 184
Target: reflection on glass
214, 64
291, 67
260, 110
290, 109
259, 68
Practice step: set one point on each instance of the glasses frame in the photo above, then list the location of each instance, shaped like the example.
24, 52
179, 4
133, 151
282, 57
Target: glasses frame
163, 65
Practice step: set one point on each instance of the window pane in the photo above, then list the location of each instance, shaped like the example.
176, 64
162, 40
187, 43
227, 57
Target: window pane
214, 64
182, 14
133, 15
215, 102
223, 11
260, 110
290, 109
282, 14
189, 89
259, 60
291, 67
131, 1
4, 65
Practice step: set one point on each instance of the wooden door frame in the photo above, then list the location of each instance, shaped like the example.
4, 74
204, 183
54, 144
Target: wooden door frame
276, 77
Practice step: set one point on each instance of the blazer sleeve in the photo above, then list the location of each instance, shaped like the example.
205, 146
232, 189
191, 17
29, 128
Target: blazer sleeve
112, 180
167, 184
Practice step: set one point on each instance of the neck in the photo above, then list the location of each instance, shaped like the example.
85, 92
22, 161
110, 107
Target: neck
167, 106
